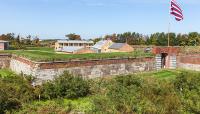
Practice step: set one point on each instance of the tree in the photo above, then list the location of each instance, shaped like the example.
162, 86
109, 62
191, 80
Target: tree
36, 41
28, 40
95, 40
112, 37
73, 36
7, 37
193, 39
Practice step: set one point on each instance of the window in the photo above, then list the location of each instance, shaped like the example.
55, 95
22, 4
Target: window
60, 45
80, 44
66, 44
75, 44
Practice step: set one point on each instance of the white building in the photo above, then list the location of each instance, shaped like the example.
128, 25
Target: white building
102, 46
70, 46
4, 45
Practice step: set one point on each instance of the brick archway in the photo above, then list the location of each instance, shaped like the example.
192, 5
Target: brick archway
166, 57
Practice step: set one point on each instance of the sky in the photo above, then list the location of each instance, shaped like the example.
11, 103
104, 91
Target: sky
49, 19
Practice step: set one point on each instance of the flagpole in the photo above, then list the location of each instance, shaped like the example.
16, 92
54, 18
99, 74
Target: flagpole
169, 34
169, 25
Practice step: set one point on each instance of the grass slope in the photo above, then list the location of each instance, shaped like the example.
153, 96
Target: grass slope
47, 54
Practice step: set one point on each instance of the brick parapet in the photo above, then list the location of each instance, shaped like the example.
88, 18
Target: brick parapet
191, 59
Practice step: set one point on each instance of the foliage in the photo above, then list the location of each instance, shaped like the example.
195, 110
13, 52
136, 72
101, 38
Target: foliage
132, 94
132, 38
73, 36
188, 87
190, 50
19, 42
66, 86
14, 90
163, 92
95, 40
158, 39
149, 93
57, 106
5, 73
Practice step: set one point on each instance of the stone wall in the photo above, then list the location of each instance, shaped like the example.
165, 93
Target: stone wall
4, 60
22, 65
190, 62
88, 69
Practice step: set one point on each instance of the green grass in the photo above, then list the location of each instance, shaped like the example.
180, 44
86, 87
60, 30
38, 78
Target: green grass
47, 54
166, 74
190, 50
161, 74
5, 73
40, 49
50, 106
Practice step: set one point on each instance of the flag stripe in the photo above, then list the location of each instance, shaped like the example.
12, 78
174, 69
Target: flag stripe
176, 11
174, 8
176, 5
176, 15
178, 19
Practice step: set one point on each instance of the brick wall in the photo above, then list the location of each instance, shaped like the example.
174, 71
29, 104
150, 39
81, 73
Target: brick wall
190, 62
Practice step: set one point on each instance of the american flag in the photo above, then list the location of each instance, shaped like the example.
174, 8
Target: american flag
176, 10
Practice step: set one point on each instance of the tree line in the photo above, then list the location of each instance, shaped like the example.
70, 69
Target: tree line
157, 39
132, 38
19, 42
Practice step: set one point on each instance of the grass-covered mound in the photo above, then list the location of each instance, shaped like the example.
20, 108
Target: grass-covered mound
190, 50
48, 54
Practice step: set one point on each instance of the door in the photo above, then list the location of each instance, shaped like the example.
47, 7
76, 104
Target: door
158, 61
173, 62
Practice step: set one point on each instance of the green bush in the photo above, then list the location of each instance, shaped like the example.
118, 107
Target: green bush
57, 106
14, 90
66, 86
188, 87
48, 107
133, 94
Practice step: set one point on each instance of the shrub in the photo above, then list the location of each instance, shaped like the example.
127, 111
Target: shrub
66, 86
133, 94
48, 107
187, 85
14, 90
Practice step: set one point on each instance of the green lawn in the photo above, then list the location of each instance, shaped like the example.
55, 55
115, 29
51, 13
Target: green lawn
190, 50
5, 73
47, 54
40, 49
163, 74
49, 106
